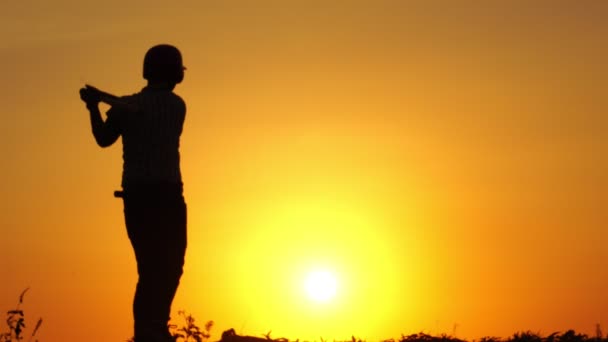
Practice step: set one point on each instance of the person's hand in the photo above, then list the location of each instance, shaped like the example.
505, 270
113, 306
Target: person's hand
90, 95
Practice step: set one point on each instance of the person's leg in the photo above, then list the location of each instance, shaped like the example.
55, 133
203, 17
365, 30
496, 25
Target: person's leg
169, 260
158, 236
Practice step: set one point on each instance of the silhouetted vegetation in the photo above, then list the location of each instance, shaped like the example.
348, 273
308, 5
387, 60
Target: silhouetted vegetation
527, 336
568, 336
189, 331
15, 320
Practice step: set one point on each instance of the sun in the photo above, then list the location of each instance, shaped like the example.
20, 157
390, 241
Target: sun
321, 286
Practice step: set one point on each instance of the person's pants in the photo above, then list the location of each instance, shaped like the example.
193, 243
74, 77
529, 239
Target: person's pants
157, 230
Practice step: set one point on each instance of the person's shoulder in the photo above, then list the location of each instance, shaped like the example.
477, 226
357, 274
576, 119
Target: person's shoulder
177, 97
179, 101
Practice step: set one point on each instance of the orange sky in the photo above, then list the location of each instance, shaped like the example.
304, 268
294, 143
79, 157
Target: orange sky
446, 160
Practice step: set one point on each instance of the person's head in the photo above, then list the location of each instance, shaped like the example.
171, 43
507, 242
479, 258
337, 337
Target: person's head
163, 64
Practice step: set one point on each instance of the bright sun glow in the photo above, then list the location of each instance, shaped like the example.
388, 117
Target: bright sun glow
321, 286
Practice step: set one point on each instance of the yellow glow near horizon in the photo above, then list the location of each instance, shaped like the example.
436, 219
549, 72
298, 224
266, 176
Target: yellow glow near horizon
321, 257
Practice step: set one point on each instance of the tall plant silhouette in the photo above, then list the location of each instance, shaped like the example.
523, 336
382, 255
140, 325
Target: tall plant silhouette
15, 320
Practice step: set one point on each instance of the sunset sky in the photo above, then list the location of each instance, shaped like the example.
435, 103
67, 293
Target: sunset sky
443, 163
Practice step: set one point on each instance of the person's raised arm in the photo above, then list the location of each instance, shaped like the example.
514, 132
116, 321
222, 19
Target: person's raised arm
105, 133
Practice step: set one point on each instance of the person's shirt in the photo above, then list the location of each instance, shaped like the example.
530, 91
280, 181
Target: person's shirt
150, 136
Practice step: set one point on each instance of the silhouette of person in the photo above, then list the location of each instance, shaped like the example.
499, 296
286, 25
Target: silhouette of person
150, 125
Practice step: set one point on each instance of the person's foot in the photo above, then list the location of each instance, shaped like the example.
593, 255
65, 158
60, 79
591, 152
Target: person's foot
153, 333
155, 338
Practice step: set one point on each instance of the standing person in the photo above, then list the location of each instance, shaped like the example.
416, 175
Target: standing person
150, 123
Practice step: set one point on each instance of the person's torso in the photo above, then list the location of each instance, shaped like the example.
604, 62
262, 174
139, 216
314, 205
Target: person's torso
151, 137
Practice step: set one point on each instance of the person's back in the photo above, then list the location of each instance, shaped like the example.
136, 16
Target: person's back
150, 123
